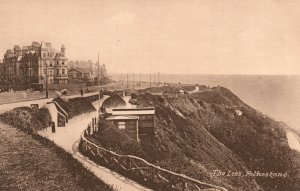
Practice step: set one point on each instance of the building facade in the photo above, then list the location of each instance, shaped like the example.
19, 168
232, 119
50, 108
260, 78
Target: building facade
137, 123
33, 65
88, 68
79, 75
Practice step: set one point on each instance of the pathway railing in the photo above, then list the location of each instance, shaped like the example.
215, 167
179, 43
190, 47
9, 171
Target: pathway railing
135, 166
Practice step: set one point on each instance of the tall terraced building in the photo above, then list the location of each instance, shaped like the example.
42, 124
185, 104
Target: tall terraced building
34, 65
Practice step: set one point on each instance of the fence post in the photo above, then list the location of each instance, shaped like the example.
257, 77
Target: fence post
89, 129
53, 127
98, 124
93, 125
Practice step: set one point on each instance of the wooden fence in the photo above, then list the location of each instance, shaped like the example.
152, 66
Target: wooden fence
134, 166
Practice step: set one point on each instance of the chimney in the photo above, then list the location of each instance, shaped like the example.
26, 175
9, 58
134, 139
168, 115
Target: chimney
62, 50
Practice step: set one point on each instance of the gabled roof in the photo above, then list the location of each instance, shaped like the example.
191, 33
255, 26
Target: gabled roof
81, 70
47, 46
59, 55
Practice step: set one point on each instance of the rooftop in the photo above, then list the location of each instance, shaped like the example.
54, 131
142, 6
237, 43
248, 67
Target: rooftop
132, 111
122, 118
81, 70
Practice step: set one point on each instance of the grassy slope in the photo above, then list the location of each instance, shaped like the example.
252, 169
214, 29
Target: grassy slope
197, 135
27, 164
35, 163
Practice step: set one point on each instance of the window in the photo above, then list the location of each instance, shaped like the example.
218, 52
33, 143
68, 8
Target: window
121, 125
51, 81
45, 63
143, 117
44, 55
57, 71
30, 71
149, 117
63, 63
63, 71
45, 71
57, 63
50, 72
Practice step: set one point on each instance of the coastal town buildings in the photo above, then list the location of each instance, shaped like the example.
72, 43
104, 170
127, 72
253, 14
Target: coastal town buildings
78, 75
34, 65
85, 71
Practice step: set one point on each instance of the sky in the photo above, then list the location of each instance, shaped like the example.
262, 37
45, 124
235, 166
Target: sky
167, 36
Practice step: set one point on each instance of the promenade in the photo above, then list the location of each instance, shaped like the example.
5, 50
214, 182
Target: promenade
68, 138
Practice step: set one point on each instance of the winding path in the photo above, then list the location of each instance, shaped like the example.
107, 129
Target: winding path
68, 139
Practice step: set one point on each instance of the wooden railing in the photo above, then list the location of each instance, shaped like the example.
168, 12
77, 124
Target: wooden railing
135, 166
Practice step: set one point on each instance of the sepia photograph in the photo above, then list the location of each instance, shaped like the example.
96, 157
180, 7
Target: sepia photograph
152, 95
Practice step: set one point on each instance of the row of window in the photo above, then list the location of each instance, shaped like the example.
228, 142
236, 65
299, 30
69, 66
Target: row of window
31, 63
51, 81
32, 72
63, 71
49, 54
146, 117
52, 63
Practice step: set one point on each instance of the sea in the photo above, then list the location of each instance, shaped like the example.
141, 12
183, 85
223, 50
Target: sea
277, 96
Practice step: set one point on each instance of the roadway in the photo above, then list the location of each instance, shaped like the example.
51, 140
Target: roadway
41, 102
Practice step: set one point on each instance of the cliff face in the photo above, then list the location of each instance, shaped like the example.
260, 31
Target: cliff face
213, 130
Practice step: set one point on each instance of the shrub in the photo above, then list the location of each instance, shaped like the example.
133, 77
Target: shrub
27, 119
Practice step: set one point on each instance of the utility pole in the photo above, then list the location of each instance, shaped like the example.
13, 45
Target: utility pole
46, 80
150, 80
127, 80
98, 71
100, 97
158, 78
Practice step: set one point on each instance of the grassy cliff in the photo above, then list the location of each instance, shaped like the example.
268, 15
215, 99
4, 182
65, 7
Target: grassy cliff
214, 130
